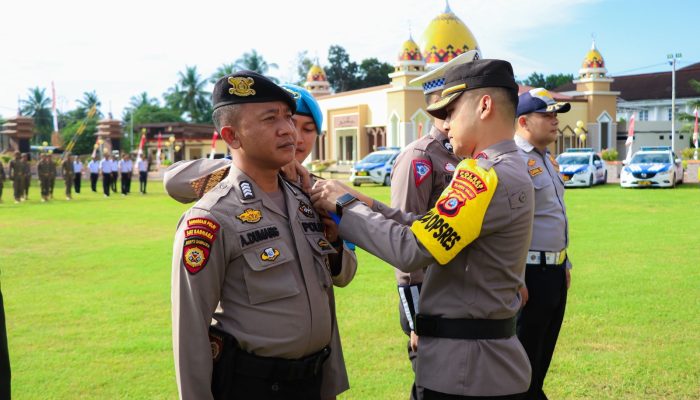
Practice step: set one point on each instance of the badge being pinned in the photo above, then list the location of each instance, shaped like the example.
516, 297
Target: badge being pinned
306, 210
241, 86
421, 170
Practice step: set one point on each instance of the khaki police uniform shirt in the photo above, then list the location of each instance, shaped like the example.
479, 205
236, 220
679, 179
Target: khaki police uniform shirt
550, 228
421, 172
266, 281
44, 169
2, 172
67, 169
480, 282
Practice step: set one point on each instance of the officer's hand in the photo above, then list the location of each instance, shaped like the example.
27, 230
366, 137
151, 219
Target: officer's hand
326, 192
414, 341
524, 296
331, 228
296, 172
568, 278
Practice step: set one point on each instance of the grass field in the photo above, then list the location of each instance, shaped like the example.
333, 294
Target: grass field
87, 296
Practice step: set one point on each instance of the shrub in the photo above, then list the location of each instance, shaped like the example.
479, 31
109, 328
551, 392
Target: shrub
609, 154
321, 165
687, 154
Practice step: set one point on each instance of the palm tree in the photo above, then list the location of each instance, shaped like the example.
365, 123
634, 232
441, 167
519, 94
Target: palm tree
37, 105
142, 100
223, 70
255, 62
89, 100
189, 96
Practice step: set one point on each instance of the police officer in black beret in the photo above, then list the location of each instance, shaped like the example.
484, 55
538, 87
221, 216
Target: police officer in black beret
251, 278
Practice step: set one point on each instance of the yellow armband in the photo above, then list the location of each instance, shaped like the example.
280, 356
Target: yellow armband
456, 219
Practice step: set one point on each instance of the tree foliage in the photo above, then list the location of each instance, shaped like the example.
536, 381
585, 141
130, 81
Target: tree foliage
345, 74
254, 61
38, 106
548, 82
189, 97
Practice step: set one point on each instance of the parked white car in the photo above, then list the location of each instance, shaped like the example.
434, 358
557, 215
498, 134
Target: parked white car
375, 168
581, 167
652, 167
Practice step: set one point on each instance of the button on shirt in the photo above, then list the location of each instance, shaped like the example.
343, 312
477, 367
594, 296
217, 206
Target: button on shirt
550, 229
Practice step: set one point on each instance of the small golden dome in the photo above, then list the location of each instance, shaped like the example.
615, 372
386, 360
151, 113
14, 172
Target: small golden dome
445, 38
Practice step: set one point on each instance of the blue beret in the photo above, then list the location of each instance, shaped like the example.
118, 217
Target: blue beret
306, 105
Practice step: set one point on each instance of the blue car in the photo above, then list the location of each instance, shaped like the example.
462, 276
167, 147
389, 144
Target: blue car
652, 167
375, 168
581, 168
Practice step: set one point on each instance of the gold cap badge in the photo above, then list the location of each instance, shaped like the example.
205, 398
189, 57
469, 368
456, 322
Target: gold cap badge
241, 86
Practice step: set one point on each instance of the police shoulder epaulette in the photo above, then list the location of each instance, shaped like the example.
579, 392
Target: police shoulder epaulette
202, 185
421, 144
295, 188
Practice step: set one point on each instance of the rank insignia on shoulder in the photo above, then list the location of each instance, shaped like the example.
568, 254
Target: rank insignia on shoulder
269, 254
247, 190
531, 162
250, 216
535, 171
306, 210
447, 145
421, 170
241, 86
324, 245
195, 257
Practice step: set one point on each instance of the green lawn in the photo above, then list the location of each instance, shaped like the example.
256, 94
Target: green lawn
87, 291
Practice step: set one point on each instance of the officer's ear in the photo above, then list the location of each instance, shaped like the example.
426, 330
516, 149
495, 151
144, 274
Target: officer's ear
231, 136
522, 121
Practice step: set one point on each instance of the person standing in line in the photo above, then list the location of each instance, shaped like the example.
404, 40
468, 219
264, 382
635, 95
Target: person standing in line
43, 169
115, 172
27, 165
77, 173
16, 174
68, 174
106, 170
126, 168
143, 173
2, 179
94, 167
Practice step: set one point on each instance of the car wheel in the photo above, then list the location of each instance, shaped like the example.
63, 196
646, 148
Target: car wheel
673, 181
387, 180
605, 178
356, 183
590, 180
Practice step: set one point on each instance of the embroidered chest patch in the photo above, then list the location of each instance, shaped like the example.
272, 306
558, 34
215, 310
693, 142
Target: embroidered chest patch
250, 216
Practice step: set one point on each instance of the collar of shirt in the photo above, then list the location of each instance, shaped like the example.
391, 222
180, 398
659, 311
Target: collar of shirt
493, 151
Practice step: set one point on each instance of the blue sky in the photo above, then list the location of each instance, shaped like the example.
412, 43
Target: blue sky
120, 49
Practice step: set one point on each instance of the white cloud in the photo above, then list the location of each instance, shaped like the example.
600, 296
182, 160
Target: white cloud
120, 49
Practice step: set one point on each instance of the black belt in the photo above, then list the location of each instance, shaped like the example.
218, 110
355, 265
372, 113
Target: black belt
280, 368
470, 329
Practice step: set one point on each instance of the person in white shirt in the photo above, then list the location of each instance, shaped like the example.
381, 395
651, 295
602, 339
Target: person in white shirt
106, 169
94, 167
77, 173
143, 173
126, 168
115, 172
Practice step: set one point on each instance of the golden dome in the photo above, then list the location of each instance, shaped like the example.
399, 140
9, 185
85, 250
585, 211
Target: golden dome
445, 38
410, 51
316, 74
593, 58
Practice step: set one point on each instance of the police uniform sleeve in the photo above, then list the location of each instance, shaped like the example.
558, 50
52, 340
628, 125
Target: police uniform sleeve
187, 181
347, 269
334, 375
198, 270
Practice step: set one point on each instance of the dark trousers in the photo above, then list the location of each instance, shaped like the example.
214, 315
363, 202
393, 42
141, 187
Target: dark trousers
4, 356
540, 320
45, 183
126, 182
17, 185
1, 187
247, 387
431, 395
93, 181
52, 183
113, 181
143, 178
106, 184
69, 187
76, 181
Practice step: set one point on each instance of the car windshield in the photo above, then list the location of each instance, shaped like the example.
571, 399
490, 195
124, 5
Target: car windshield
651, 158
573, 160
377, 158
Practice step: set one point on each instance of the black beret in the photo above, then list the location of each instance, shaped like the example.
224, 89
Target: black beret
249, 87
474, 75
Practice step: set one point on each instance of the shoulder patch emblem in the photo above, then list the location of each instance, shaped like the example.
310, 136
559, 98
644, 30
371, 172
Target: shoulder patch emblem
421, 170
535, 171
450, 205
195, 254
250, 216
449, 167
554, 162
269, 254
205, 223
241, 86
306, 209
531, 162
247, 190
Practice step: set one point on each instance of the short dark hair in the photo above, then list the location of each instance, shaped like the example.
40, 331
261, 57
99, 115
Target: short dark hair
506, 99
225, 115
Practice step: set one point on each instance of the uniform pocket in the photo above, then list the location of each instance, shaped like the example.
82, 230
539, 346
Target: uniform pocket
269, 274
322, 248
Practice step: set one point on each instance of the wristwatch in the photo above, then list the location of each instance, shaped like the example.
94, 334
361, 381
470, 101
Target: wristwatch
343, 201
